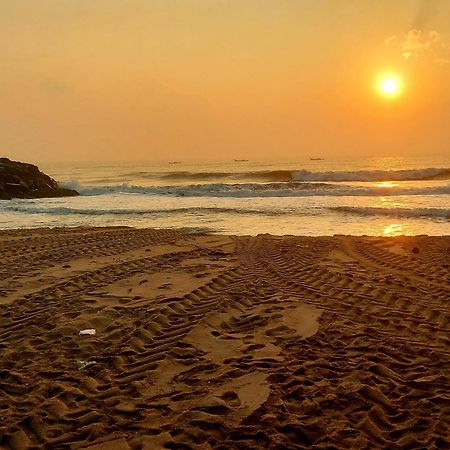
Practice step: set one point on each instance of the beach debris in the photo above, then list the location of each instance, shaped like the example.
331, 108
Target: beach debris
90, 331
415, 250
81, 364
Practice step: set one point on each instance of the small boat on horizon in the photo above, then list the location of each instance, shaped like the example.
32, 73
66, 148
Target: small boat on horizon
316, 159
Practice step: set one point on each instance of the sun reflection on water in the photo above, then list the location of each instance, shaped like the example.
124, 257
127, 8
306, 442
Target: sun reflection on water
387, 184
389, 202
389, 162
394, 229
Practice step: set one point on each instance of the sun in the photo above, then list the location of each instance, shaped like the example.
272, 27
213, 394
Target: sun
390, 85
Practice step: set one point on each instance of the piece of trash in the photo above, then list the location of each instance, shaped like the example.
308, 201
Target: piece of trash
90, 331
83, 364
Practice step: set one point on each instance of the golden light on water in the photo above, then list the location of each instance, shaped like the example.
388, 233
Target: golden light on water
393, 229
396, 228
389, 85
387, 184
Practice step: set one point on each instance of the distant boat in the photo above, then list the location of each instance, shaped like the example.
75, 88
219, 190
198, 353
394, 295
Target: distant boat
241, 160
174, 162
316, 159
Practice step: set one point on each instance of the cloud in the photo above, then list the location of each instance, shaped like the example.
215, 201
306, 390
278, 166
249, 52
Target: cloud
417, 43
390, 40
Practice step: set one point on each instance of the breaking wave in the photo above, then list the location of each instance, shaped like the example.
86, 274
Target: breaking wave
298, 175
289, 189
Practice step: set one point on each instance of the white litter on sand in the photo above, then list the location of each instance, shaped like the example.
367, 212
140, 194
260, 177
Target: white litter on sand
90, 331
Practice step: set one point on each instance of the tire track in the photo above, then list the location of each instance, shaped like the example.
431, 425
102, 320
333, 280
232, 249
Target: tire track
220, 365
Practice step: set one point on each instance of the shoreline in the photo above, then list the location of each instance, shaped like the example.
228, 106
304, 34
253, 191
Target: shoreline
203, 232
216, 341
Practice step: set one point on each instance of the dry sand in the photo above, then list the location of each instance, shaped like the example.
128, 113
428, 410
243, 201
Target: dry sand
222, 342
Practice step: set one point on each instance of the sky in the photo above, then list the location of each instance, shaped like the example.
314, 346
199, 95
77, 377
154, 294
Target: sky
113, 80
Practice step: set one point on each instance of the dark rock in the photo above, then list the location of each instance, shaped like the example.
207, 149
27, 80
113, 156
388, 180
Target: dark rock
415, 250
22, 180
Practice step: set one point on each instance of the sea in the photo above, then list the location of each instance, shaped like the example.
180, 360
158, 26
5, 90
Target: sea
308, 196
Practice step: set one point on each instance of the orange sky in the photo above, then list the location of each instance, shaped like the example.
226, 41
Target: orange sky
207, 79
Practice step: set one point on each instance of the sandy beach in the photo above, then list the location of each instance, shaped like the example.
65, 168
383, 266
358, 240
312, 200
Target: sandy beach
222, 342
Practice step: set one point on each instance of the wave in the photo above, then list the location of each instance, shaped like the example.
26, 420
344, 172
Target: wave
145, 212
211, 190
299, 175
394, 212
34, 207
247, 190
434, 213
376, 175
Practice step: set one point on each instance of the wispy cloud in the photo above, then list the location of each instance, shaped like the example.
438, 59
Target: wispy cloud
417, 43
390, 40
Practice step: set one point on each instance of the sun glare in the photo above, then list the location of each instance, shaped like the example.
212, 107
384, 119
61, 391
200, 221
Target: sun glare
389, 85
394, 229
387, 184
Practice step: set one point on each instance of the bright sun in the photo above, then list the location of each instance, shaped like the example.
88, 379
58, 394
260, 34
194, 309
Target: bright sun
389, 85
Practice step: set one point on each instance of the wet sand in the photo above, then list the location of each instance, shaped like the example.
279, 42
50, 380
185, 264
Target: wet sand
207, 341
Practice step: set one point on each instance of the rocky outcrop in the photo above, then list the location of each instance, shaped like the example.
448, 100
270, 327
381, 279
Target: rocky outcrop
22, 180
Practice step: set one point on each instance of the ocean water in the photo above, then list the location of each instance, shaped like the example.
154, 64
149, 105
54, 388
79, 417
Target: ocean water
376, 196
